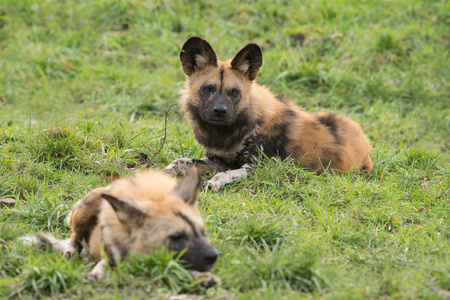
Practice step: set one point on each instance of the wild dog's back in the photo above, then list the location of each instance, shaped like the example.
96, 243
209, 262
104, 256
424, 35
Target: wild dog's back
315, 141
326, 140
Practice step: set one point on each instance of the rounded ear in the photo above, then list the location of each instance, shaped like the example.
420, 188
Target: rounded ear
189, 186
248, 61
196, 54
126, 212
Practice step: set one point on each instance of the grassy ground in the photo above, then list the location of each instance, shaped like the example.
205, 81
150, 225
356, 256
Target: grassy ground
84, 87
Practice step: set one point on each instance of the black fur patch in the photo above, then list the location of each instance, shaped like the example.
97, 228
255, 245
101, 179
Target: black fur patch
92, 225
221, 78
331, 122
271, 144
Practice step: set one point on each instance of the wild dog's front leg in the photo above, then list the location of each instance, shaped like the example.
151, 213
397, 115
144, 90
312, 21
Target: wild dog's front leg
248, 158
97, 273
221, 179
182, 165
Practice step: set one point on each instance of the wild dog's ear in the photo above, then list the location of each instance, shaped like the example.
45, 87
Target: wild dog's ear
189, 186
126, 213
196, 54
248, 61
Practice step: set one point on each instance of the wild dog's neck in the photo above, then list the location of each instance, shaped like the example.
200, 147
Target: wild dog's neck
225, 141
265, 102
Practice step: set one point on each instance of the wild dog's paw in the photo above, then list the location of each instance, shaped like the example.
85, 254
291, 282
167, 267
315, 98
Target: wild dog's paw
210, 279
68, 253
205, 185
97, 273
178, 167
211, 185
66, 248
92, 277
223, 178
218, 181
170, 172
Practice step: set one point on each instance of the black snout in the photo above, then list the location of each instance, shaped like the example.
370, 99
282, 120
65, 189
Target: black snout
200, 255
220, 109
211, 256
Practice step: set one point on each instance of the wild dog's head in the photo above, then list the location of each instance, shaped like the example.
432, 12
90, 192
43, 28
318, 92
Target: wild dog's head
218, 91
150, 210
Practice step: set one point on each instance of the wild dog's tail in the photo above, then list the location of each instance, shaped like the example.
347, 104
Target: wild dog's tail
65, 247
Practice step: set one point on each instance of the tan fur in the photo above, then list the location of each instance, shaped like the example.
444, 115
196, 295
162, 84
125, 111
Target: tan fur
135, 215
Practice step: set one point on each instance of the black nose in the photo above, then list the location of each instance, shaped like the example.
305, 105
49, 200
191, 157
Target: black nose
220, 110
211, 256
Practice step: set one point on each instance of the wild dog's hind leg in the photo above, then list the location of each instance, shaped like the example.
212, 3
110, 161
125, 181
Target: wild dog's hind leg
65, 247
84, 217
182, 165
82, 220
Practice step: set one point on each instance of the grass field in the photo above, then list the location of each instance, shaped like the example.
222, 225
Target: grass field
85, 86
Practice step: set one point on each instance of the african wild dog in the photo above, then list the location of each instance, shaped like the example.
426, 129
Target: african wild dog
236, 120
135, 215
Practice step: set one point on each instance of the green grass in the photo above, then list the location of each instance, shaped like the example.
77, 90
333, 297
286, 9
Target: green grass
84, 88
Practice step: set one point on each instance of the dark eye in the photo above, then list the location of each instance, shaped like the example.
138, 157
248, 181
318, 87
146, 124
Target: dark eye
177, 237
234, 92
207, 89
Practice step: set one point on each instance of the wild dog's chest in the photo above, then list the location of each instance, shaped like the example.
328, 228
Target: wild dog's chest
232, 155
249, 150
229, 155
226, 142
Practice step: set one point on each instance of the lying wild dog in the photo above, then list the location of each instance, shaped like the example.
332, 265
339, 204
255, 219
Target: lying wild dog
135, 215
235, 120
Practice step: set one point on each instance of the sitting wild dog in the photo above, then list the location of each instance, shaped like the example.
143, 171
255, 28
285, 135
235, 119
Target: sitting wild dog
235, 120
135, 215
